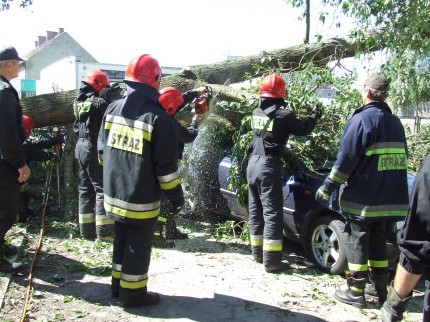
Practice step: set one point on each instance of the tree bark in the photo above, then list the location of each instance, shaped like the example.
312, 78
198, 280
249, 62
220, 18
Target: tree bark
57, 108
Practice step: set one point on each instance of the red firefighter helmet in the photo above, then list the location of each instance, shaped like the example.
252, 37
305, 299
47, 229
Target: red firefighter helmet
144, 69
273, 86
170, 99
27, 124
96, 79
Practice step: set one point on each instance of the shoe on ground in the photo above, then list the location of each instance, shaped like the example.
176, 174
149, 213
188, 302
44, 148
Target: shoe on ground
9, 267
278, 267
176, 234
161, 242
10, 250
348, 298
258, 259
148, 299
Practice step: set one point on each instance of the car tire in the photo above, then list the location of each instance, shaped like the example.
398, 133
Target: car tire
325, 244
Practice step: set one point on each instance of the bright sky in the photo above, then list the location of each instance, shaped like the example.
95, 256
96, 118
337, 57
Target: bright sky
177, 33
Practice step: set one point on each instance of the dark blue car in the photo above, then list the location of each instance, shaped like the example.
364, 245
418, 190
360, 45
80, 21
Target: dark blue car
317, 226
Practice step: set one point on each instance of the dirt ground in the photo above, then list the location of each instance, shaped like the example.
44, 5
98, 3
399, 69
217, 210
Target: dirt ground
198, 280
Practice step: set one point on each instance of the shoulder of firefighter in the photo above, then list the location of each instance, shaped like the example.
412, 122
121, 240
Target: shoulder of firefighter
138, 140
373, 161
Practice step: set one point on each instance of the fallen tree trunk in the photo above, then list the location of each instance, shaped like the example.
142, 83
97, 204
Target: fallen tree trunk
57, 108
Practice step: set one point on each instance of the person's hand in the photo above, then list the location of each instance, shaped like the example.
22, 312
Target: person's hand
322, 194
24, 173
176, 207
317, 112
201, 90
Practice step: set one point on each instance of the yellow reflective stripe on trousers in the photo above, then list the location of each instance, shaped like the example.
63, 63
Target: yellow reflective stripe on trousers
116, 270
162, 219
169, 181
256, 240
131, 210
357, 267
381, 264
271, 245
374, 211
338, 176
104, 220
131, 214
86, 218
133, 281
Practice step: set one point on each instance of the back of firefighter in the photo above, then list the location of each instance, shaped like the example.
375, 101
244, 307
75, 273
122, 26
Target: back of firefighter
138, 145
372, 161
272, 123
89, 109
13, 167
172, 101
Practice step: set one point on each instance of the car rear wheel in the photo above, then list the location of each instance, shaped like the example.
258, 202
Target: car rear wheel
325, 244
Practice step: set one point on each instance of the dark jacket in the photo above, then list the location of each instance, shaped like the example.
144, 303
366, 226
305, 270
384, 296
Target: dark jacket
275, 123
414, 241
89, 112
11, 130
140, 156
372, 161
38, 150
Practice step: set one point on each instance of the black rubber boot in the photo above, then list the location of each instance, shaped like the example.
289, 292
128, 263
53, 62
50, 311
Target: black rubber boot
172, 231
354, 295
148, 299
9, 267
378, 286
278, 267
10, 250
394, 306
161, 242
257, 253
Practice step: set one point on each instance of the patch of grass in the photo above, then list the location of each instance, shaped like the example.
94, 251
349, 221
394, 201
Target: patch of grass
231, 229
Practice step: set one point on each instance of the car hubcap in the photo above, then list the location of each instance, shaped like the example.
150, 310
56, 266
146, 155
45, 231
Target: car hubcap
325, 246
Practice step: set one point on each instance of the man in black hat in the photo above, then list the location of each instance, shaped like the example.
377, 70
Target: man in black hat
13, 167
371, 162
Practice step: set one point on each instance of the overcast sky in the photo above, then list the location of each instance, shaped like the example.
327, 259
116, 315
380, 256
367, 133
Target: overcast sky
176, 32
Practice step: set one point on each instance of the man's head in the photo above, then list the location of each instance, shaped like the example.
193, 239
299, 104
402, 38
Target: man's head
273, 86
9, 62
97, 80
170, 99
144, 69
375, 89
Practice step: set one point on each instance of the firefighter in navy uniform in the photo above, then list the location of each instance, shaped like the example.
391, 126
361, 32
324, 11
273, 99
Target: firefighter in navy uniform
139, 149
372, 161
89, 109
272, 124
172, 101
13, 167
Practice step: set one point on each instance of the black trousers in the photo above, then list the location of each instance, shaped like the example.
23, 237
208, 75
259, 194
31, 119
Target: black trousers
92, 216
9, 193
131, 257
366, 246
264, 177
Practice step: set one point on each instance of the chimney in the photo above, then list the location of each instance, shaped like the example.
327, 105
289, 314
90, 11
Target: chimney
60, 30
42, 40
50, 35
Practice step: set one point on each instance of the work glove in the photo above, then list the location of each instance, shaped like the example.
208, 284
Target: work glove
317, 112
323, 194
176, 207
53, 141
